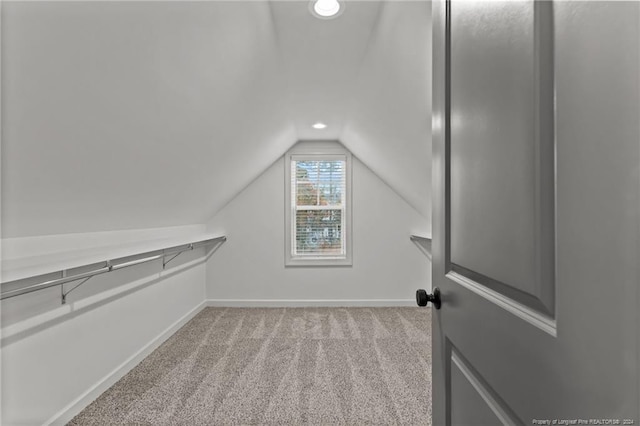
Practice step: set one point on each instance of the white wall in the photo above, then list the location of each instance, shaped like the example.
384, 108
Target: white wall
249, 269
0, 203
57, 358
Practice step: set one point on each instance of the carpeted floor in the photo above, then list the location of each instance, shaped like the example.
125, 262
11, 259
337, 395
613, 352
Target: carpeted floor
279, 366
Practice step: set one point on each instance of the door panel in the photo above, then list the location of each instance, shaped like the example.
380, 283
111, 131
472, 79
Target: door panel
473, 401
536, 232
476, 409
492, 229
501, 147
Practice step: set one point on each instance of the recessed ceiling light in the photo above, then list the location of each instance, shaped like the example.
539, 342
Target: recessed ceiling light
319, 126
325, 8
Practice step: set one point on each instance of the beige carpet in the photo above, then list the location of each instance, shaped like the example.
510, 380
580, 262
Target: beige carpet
280, 366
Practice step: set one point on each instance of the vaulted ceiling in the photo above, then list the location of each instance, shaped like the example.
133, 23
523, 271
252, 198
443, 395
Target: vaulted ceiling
123, 115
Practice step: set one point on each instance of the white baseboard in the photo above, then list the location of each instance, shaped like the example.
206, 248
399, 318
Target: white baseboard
290, 303
70, 411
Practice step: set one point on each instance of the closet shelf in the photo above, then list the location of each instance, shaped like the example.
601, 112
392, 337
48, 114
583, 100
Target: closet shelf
83, 272
423, 243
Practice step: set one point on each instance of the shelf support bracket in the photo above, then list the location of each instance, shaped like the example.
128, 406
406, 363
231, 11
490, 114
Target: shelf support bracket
166, 262
64, 294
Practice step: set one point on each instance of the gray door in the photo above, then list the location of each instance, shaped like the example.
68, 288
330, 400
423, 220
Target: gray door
536, 212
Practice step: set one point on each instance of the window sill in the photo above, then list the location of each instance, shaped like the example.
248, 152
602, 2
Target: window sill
318, 262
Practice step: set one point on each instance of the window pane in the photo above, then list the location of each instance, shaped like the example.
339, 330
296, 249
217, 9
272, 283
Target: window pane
319, 182
331, 182
319, 232
306, 177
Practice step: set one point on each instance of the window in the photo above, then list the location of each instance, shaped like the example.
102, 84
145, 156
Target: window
318, 219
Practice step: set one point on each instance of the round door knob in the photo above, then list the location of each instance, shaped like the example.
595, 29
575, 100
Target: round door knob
422, 298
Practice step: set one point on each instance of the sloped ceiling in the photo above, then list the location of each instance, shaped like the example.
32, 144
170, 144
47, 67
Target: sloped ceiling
388, 125
122, 115
321, 61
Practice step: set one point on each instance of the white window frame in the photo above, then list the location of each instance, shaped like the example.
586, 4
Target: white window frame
318, 151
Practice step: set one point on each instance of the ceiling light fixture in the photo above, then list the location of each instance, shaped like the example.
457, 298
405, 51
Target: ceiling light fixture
319, 126
325, 9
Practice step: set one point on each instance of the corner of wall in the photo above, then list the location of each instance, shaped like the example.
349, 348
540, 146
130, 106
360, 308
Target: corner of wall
250, 268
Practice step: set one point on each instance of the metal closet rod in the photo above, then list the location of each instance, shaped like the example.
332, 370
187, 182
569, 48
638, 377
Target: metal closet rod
109, 265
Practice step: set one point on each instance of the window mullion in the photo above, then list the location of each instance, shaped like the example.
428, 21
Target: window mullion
324, 207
